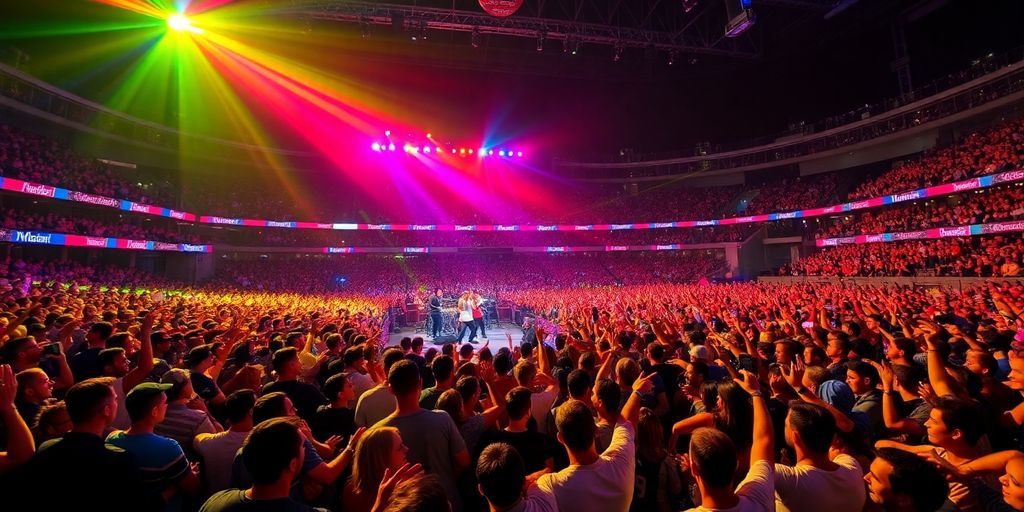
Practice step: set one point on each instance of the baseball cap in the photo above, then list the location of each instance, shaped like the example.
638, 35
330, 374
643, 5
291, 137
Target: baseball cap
700, 352
175, 376
140, 395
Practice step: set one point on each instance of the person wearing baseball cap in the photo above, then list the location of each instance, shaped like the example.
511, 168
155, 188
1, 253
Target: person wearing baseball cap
163, 465
186, 415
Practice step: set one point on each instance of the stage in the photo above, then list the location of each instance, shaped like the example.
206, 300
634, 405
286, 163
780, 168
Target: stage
496, 335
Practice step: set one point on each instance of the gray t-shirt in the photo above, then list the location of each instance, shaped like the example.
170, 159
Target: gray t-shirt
433, 441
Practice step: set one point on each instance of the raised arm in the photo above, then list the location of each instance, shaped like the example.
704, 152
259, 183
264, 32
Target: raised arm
794, 376
631, 411
20, 445
937, 376
145, 363
763, 447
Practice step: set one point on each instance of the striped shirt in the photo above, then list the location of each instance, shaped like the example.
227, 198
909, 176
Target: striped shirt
183, 425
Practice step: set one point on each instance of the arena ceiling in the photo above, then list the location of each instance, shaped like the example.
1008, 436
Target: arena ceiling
801, 60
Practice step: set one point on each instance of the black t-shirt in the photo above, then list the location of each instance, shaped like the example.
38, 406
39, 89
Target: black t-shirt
86, 364
204, 386
305, 397
235, 500
81, 472
330, 421
425, 373
646, 487
533, 447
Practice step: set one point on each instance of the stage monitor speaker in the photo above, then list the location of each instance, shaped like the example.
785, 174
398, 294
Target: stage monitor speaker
445, 339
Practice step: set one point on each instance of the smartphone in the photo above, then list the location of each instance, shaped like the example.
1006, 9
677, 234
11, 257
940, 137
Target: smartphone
807, 325
51, 349
746, 362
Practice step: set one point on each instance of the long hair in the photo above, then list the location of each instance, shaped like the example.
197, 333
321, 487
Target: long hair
372, 455
735, 416
650, 438
451, 402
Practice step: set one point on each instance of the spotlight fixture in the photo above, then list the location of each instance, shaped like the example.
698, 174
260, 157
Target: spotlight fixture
376, 146
576, 47
672, 57
565, 45
180, 23
618, 52
365, 25
688, 5
540, 41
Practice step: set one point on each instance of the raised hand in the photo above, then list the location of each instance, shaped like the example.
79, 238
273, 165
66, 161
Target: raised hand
391, 480
749, 382
794, 373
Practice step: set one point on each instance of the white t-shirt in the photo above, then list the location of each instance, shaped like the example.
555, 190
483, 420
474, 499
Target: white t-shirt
361, 383
466, 310
605, 485
540, 407
218, 452
756, 492
121, 419
536, 501
806, 488
375, 405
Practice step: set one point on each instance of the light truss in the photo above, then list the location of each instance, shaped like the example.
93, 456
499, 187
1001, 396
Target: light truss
697, 34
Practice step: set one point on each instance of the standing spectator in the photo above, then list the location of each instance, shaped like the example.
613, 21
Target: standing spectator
432, 437
380, 450
378, 402
817, 481
186, 415
84, 360
273, 455
335, 418
355, 370
596, 481
18, 442
657, 479
712, 461
165, 470
218, 450
443, 368
902, 481
306, 397
83, 464
502, 478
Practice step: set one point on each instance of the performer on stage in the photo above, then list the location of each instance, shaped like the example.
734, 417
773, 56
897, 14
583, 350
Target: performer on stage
466, 303
436, 320
478, 314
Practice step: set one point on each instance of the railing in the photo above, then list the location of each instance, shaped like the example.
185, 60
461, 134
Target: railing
981, 182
